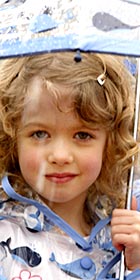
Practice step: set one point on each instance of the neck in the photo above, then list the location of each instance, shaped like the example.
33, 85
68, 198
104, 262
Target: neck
72, 213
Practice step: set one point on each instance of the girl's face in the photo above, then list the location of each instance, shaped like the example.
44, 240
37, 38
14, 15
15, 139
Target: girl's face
59, 156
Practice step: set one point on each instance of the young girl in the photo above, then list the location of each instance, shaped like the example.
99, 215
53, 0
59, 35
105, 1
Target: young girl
66, 147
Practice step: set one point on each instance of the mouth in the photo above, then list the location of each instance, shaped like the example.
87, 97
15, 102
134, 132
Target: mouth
60, 178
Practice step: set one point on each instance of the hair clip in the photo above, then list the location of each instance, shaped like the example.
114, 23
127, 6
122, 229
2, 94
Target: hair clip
101, 79
78, 57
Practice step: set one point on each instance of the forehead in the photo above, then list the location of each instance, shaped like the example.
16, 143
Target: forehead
45, 94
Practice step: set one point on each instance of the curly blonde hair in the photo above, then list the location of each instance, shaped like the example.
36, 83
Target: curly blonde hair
110, 106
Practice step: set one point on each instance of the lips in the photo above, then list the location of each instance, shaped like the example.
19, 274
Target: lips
60, 178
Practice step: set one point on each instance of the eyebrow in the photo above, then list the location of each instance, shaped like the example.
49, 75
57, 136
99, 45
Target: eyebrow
78, 126
33, 124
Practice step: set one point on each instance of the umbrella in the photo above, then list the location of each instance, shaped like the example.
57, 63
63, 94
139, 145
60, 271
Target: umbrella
28, 27
31, 27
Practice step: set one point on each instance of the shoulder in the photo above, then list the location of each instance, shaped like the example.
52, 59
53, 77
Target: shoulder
21, 214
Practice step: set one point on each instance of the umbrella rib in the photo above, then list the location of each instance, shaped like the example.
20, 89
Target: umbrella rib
131, 173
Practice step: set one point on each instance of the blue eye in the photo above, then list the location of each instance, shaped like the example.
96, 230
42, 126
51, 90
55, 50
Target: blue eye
40, 134
83, 135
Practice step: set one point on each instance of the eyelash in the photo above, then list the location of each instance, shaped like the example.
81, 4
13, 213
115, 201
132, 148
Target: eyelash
35, 135
82, 133
80, 136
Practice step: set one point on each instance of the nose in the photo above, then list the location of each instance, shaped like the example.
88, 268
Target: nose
60, 153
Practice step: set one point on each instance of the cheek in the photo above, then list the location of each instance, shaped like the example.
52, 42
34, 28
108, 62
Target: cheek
32, 168
29, 161
93, 165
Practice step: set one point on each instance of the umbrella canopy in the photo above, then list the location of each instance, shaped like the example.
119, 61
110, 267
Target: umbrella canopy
28, 26
31, 27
